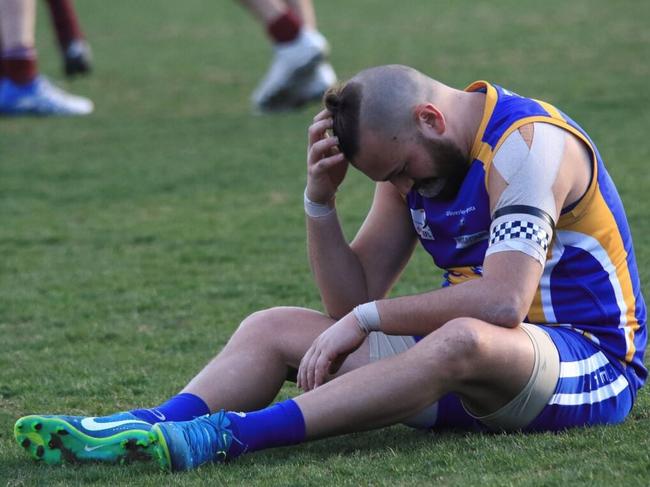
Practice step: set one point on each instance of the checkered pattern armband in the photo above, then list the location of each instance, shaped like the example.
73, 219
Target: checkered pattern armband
520, 229
528, 232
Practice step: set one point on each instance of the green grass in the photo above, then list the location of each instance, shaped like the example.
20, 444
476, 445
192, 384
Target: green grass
134, 241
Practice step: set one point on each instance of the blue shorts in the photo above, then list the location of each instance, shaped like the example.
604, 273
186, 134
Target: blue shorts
592, 389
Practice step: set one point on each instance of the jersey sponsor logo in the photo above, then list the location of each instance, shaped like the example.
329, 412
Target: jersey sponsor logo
464, 241
462, 212
91, 425
420, 223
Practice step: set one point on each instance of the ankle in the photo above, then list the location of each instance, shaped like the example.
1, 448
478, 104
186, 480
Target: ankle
284, 28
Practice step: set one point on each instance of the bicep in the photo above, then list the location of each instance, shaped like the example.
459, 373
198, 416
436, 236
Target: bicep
515, 277
385, 241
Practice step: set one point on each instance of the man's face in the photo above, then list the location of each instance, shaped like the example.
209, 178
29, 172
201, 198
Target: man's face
433, 167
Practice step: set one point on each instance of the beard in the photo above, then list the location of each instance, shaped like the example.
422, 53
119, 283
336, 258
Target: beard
451, 165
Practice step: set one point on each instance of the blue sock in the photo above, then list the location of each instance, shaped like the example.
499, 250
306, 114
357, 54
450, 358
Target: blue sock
182, 407
281, 424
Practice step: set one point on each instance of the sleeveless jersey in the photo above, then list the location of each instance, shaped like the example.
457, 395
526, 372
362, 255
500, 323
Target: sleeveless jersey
590, 282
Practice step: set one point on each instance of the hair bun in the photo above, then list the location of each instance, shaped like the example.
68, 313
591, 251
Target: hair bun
332, 99
343, 102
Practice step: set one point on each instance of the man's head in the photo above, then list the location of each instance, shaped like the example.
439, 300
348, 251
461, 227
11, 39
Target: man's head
390, 126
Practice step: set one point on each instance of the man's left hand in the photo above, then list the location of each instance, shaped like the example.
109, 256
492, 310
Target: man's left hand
328, 352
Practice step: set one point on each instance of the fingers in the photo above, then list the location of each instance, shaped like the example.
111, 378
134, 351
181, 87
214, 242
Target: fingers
322, 115
313, 369
306, 372
326, 165
300, 376
322, 158
329, 162
321, 366
322, 149
317, 130
302, 381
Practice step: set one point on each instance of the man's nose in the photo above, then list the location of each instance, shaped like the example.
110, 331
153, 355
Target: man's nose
403, 183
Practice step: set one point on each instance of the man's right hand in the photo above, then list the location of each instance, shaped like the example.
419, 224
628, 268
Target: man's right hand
326, 165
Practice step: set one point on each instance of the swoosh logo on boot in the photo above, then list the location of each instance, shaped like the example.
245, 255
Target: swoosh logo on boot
92, 448
157, 414
91, 425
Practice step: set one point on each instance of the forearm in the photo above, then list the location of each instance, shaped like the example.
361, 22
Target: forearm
337, 271
481, 298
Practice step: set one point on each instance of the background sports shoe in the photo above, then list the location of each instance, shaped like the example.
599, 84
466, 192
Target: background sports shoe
188, 444
294, 62
315, 87
55, 439
77, 58
307, 90
40, 97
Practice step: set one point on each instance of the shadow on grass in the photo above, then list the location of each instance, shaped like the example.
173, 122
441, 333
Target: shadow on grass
389, 441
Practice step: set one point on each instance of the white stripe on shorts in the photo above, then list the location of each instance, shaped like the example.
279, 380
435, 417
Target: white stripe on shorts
583, 367
598, 395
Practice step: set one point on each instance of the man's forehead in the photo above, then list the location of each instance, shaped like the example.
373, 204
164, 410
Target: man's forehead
377, 152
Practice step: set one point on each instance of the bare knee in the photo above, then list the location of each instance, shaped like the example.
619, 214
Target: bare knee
285, 331
461, 343
282, 322
266, 322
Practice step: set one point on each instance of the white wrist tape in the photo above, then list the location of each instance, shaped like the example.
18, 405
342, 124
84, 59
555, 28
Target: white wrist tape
367, 317
317, 210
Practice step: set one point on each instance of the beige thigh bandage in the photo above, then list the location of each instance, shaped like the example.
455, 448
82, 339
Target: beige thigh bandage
519, 412
383, 346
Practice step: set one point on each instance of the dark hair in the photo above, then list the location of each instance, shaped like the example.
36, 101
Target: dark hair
344, 102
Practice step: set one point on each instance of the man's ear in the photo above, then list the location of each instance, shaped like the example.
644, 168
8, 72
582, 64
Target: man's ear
429, 120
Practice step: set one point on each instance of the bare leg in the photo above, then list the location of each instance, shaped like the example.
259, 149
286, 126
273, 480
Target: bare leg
248, 373
298, 73
17, 23
265, 11
305, 9
485, 364
65, 21
22, 91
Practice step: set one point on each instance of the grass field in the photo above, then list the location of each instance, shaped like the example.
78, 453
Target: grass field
134, 241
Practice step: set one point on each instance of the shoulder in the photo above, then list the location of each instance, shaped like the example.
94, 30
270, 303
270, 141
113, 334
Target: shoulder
526, 166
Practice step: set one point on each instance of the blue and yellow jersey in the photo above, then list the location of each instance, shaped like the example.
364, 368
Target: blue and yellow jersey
590, 282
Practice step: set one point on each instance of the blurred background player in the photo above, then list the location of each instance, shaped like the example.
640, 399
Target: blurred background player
77, 56
299, 72
22, 90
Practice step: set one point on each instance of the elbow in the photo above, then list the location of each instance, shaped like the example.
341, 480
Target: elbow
509, 312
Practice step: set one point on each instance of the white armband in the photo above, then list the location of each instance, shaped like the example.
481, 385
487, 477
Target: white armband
367, 316
316, 210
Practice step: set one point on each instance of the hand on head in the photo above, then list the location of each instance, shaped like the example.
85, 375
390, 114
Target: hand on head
326, 165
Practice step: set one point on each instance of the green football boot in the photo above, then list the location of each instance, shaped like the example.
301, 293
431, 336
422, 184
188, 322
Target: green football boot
117, 438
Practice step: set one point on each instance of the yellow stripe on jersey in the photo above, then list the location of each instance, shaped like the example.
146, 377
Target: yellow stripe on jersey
599, 224
552, 111
536, 311
457, 275
491, 98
